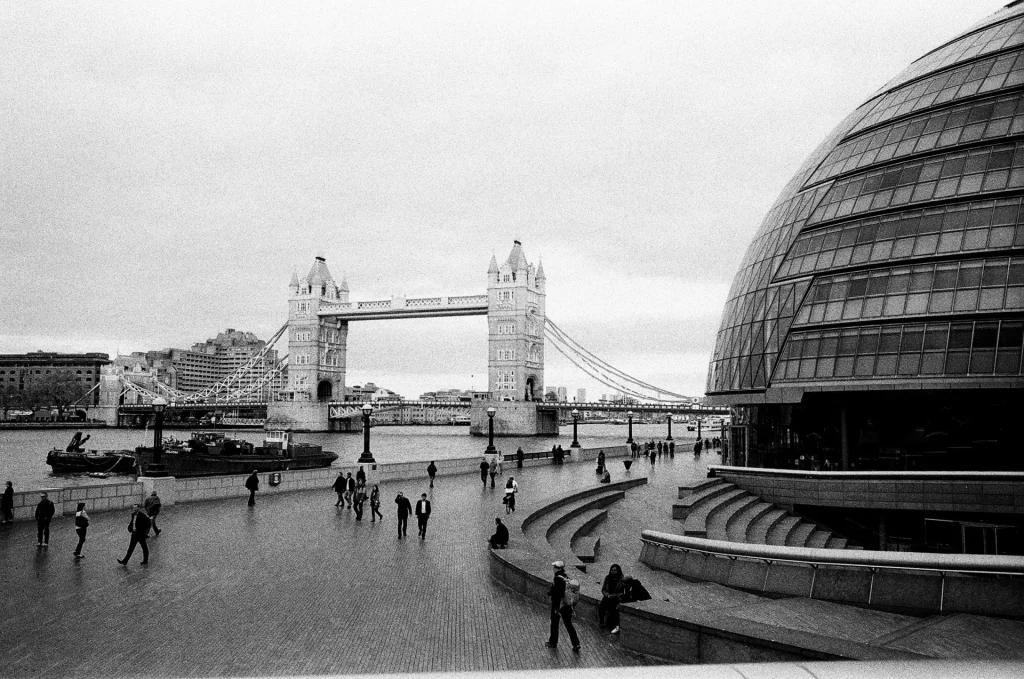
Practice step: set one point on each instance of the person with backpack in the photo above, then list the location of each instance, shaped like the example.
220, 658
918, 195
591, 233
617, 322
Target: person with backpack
138, 526
564, 594
81, 527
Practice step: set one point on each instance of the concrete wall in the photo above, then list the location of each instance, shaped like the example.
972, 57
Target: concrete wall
985, 492
99, 498
893, 589
513, 418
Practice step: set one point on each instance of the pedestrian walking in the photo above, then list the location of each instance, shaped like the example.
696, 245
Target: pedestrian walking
44, 512
519, 457
511, 488
560, 609
600, 462
375, 504
359, 499
339, 488
253, 484
7, 504
350, 489
138, 526
423, 514
500, 538
81, 527
404, 510
360, 476
671, 448
152, 505
484, 469
431, 472
492, 469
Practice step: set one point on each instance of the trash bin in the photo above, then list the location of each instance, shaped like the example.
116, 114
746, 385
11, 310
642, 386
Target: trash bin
627, 463
275, 478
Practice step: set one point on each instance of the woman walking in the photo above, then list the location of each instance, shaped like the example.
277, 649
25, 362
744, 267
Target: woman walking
375, 504
81, 527
510, 495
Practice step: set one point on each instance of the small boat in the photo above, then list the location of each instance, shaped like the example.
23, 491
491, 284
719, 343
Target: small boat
96, 461
209, 453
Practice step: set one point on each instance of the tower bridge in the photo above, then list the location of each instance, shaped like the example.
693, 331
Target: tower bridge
316, 332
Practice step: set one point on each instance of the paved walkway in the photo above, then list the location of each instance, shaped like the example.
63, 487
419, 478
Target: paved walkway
292, 586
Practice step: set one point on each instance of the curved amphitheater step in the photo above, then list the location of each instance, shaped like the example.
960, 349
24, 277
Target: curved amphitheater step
720, 511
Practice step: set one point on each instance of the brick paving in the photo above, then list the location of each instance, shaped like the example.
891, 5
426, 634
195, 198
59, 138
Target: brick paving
292, 586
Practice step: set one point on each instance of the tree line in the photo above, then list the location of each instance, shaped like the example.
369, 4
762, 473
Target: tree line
57, 390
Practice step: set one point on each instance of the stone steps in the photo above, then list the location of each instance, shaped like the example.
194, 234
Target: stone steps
781, 530
695, 523
702, 493
759, 528
800, 534
739, 523
818, 539
718, 520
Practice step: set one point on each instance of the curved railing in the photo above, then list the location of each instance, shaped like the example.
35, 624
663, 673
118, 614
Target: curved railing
971, 583
851, 558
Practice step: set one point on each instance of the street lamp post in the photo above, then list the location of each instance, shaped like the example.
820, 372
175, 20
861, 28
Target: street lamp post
669, 437
629, 416
157, 467
575, 421
367, 456
490, 432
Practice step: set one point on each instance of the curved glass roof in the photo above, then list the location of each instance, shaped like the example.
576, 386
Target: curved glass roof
904, 226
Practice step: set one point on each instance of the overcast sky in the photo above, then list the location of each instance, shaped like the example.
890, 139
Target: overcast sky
165, 167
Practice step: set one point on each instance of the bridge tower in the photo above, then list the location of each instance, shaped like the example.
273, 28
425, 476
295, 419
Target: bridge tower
515, 323
316, 353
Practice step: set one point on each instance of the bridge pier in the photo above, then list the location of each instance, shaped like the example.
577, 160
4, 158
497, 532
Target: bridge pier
514, 418
298, 416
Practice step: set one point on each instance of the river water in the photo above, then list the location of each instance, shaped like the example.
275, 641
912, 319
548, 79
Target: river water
23, 452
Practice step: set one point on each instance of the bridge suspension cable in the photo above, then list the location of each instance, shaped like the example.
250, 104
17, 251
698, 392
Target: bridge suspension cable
601, 370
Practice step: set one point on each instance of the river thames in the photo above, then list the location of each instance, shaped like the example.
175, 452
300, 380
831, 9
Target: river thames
23, 452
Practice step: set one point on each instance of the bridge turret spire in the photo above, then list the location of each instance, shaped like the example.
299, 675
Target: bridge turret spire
540, 271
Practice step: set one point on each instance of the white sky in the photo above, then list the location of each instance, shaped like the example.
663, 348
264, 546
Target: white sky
165, 167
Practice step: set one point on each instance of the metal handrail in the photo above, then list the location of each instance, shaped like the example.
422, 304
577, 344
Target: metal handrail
973, 564
715, 469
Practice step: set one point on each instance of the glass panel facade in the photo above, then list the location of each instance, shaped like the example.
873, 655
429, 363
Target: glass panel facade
950, 348
992, 38
909, 211
914, 234
959, 287
989, 119
961, 173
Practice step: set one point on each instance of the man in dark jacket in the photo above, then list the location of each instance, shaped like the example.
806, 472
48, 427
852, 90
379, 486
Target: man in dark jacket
519, 458
431, 472
138, 526
422, 514
404, 510
485, 466
253, 484
339, 488
44, 512
350, 490
500, 538
559, 609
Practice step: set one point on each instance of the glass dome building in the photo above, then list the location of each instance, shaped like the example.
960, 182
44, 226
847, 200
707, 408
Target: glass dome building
877, 318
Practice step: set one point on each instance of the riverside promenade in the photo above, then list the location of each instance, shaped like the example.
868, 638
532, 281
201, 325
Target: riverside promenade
292, 586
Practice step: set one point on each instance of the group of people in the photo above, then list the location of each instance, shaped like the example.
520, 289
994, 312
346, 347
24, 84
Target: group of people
557, 455
352, 494
653, 449
143, 519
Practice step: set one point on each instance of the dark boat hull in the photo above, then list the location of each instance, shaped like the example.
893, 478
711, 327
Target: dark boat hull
106, 461
180, 463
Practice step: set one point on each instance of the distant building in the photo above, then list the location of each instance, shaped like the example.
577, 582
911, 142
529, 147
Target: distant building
369, 392
563, 394
581, 395
24, 372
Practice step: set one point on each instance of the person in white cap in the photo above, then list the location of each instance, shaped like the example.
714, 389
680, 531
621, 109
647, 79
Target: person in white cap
559, 609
